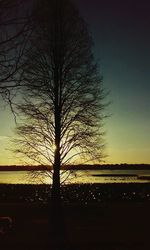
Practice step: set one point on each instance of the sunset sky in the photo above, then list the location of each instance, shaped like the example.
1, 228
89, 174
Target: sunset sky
121, 33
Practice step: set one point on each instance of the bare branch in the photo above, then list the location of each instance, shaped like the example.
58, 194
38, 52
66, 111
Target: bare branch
63, 104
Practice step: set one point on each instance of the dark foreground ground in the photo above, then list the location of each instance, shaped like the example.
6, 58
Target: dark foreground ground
114, 224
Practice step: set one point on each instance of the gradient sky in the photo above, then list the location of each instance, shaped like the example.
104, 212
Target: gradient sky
121, 33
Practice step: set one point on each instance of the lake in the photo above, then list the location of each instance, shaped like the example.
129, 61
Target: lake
78, 176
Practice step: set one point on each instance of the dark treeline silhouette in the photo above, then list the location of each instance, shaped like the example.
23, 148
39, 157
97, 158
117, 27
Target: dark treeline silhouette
123, 166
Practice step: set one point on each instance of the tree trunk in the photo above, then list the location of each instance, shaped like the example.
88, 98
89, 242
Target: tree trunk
57, 219
56, 178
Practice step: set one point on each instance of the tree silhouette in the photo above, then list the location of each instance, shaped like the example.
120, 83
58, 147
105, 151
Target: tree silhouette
14, 30
62, 107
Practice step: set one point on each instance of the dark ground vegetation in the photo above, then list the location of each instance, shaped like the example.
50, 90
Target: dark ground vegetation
106, 217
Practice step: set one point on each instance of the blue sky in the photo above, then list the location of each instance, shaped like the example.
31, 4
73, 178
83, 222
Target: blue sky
121, 35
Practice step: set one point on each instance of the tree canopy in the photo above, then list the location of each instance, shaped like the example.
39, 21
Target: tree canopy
63, 87
63, 96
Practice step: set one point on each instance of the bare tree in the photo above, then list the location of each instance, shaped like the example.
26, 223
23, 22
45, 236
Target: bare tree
62, 109
14, 33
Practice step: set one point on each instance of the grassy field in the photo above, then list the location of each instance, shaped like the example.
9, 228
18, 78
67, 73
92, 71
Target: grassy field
92, 217
106, 226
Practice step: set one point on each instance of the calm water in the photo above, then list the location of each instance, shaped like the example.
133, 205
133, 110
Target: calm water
88, 176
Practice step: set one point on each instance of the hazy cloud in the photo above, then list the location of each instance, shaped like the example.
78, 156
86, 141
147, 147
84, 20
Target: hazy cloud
4, 138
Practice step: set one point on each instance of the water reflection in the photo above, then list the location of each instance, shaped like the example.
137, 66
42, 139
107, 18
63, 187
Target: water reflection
88, 176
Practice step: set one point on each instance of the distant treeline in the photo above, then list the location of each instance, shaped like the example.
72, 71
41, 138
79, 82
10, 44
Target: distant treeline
76, 167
